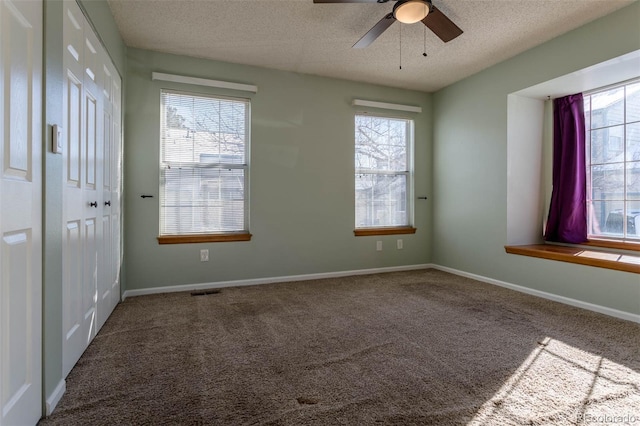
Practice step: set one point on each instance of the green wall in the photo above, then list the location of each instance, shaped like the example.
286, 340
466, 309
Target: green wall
470, 167
100, 16
301, 178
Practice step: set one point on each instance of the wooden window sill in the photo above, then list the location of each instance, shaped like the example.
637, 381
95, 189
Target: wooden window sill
600, 259
204, 238
620, 245
365, 232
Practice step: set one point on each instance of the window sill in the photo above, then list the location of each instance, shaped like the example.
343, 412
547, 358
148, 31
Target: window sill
204, 238
600, 259
365, 232
620, 245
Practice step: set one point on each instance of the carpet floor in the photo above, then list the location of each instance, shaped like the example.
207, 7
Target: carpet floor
407, 348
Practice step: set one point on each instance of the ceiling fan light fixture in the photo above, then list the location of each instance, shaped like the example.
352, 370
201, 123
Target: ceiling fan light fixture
410, 11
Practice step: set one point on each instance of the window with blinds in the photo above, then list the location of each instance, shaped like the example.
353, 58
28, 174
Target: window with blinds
203, 164
383, 179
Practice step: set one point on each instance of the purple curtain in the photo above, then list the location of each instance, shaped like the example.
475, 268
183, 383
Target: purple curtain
567, 221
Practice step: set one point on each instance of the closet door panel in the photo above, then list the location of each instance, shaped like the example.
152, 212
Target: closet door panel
20, 212
89, 294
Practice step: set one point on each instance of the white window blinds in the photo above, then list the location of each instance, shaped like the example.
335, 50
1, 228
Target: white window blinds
203, 165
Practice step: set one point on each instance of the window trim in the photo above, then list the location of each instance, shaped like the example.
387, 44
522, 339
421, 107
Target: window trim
228, 236
204, 238
389, 230
612, 244
409, 173
578, 255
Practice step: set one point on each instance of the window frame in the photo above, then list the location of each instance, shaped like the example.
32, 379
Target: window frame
408, 173
215, 236
594, 240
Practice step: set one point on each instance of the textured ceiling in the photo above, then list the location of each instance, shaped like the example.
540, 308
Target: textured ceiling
300, 36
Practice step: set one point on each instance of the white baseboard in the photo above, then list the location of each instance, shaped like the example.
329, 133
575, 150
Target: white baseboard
55, 397
550, 296
270, 280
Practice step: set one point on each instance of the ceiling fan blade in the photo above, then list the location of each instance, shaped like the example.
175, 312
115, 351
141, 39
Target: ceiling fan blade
375, 32
349, 1
442, 26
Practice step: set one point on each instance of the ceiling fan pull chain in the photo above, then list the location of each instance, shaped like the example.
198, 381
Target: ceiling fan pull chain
400, 46
424, 28
424, 52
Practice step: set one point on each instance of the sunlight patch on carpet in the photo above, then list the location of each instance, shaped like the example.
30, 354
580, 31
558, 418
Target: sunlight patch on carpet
561, 384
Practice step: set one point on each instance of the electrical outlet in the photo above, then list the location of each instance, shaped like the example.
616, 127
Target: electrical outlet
204, 255
400, 245
378, 245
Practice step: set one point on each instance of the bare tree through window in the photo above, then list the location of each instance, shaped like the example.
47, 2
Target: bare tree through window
204, 145
382, 163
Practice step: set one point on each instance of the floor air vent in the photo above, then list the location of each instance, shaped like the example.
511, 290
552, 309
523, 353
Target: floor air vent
204, 292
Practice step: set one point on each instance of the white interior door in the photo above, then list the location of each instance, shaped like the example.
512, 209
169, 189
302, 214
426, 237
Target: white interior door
75, 330
89, 163
109, 283
116, 187
104, 290
20, 212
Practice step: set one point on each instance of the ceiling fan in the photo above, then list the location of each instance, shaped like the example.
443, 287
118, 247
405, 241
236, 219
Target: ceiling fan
407, 12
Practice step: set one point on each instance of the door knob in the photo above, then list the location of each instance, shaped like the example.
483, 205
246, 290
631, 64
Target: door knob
94, 204
107, 203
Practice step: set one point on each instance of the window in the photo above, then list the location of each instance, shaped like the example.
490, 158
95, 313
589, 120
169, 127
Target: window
383, 174
203, 168
612, 118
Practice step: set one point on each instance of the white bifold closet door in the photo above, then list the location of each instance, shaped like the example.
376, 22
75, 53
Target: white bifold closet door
91, 185
20, 212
